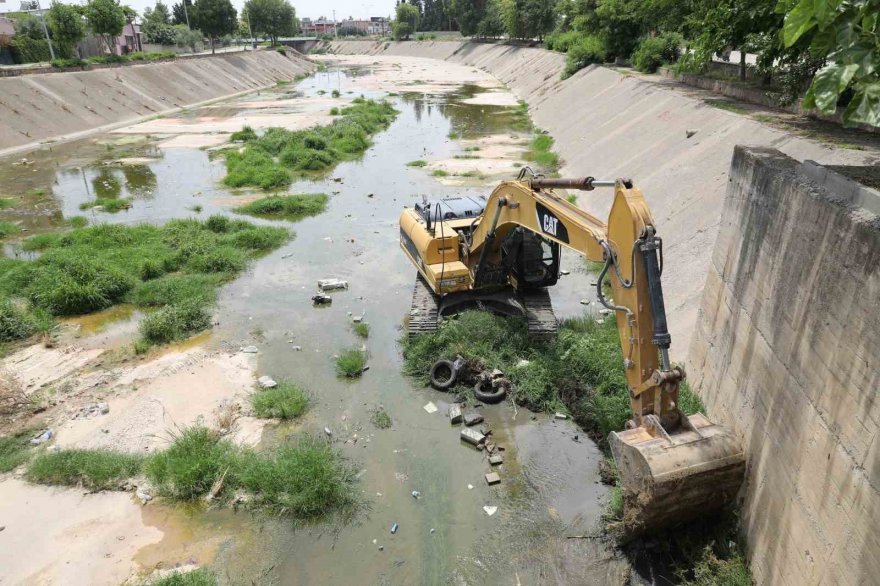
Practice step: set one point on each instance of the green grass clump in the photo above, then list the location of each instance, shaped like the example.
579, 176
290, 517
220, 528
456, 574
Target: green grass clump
8, 229
271, 160
334, 111
335, 93
362, 329
304, 479
351, 362
581, 371
541, 154
189, 466
285, 401
244, 135
380, 418
6, 202
198, 577
109, 204
440, 173
176, 268
417, 163
93, 469
288, 207
15, 449
18, 321
77, 221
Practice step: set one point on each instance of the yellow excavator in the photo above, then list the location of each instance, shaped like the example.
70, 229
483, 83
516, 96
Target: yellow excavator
501, 253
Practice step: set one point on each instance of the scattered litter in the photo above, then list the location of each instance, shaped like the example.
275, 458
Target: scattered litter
42, 438
689, 133
378, 494
267, 382
288, 255
365, 368
606, 311
472, 436
454, 413
297, 348
375, 541
145, 497
432, 529
492, 478
250, 350
321, 299
523, 362
497, 373
394, 528
495, 459
470, 486
564, 272
416, 494
430, 407
473, 419
327, 431
381, 548
600, 321
357, 319
559, 415
490, 510
332, 284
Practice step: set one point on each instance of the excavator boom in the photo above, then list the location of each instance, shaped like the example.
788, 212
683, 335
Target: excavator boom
672, 466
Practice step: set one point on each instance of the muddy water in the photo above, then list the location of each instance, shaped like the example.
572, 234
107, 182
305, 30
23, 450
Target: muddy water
549, 489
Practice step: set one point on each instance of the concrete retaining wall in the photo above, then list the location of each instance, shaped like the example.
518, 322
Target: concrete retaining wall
608, 125
787, 353
66, 105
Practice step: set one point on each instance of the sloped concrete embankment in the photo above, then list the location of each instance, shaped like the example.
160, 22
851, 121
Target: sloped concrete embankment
786, 352
64, 105
608, 124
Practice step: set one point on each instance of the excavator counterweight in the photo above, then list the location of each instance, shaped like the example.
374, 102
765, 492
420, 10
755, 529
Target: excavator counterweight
501, 254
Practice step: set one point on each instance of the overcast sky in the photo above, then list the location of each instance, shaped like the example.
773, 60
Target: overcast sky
309, 8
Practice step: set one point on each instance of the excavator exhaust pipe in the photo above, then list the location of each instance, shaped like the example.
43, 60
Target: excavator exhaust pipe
670, 478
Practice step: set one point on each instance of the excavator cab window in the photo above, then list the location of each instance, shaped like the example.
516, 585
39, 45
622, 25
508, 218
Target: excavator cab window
532, 260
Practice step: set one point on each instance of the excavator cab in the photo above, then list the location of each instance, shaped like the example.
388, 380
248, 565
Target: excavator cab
530, 261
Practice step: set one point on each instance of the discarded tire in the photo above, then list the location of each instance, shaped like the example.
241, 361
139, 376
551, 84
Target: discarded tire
443, 375
484, 392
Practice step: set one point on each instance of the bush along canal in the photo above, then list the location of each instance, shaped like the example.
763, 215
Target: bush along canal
162, 352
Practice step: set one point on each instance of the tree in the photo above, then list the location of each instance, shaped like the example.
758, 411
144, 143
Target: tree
184, 12
185, 37
216, 18
492, 25
406, 21
847, 34
271, 18
468, 14
66, 24
157, 25
106, 19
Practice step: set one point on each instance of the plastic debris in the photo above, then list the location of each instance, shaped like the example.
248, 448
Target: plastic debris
394, 528
470, 486
559, 415
430, 407
416, 494
490, 509
327, 431
250, 350
321, 299
267, 382
42, 438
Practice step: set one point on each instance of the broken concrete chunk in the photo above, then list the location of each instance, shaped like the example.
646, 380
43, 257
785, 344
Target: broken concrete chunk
357, 319
492, 478
430, 407
454, 413
495, 459
472, 419
321, 299
472, 436
266, 382
559, 415
249, 350
332, 284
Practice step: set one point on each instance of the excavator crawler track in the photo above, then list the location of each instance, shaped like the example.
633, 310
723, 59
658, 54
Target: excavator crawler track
423, 314
539, 312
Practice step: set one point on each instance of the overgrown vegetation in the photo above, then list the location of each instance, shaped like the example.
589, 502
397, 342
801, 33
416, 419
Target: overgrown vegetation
92, 469
581, 371
362, 329
15, 449
8, 229
285, 401
174, 268
380, 418
540, 152
287, 207
198, 577
271, 160
108, 204
188, 468
350, 363
417, 163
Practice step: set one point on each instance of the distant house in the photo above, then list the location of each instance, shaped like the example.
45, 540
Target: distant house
7, 31
130, 40
7, 27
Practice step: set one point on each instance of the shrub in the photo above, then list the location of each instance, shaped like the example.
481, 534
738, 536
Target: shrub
107, 59
652, 52
289, 207
351, 362
281, 49
18, 323
285, 401
94, 469
334, 111
190, 465
439, 173
335, 93
561, 42
587, 50
65, 63
244, 135
304, 479
540, 152
362, 329
175, 322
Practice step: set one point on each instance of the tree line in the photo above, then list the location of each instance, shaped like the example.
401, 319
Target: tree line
827, 51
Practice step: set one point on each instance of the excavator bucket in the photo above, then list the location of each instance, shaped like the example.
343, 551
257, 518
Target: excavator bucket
669, 478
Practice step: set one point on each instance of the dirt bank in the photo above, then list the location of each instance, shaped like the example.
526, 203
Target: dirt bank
610, 124
37, 109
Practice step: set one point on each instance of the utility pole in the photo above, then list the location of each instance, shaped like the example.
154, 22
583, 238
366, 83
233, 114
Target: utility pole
251, 31
186, 14
45, 30
335, 32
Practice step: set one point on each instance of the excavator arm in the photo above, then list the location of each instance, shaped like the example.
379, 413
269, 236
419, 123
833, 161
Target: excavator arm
673, 467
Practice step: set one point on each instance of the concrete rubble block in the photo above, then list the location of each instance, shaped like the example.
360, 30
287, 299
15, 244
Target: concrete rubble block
321, 299
454, 413
267, 382
103, 408
332, 284
559, 415
492, 478
472, 436
495, 459
472, 419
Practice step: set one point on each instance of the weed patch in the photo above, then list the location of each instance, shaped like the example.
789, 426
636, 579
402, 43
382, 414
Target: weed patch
198, 577
380, 418
440, 173
93, 469
351, 362
15, 450
285, 401
362, 329
8, 229
540, 153
108, 204
244, 135
287, 207
418, 163
270, 161
188, 468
